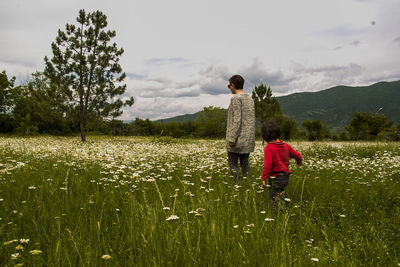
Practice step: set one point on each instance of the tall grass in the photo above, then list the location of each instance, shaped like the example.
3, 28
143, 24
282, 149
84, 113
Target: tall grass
111, 201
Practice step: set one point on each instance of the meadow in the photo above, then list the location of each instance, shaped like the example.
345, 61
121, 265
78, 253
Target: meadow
170, 202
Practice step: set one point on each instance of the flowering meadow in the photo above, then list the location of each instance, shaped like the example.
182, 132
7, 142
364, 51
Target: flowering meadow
170, 202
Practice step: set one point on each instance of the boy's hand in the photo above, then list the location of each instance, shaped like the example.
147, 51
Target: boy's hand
263, 183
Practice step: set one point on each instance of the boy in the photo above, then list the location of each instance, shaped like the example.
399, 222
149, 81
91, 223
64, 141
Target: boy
276, 161
240, 130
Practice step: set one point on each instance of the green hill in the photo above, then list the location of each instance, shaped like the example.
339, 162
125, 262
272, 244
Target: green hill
181, 118
335, 106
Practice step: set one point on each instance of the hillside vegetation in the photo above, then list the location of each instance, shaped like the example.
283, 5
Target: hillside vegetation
335, 106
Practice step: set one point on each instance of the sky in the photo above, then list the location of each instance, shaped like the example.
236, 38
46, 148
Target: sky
180, 54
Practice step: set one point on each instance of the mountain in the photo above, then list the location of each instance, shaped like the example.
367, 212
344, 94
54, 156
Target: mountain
335, 106
181, 118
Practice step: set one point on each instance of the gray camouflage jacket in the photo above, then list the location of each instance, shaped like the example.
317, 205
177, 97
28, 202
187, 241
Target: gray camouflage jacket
241, 124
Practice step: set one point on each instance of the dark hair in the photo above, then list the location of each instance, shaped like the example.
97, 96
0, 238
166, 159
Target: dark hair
270, 131
237, 81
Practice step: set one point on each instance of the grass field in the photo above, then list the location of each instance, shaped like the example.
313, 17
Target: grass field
166, 202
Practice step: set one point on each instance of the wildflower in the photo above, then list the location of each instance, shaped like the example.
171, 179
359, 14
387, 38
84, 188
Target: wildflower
269, 219
189, 194
236, 226
23, 240
32, 187
106, 257
309, 242
166, 208
315, 259
14, 256
35, 252
342, 215
250, 225
287, 199
7, 242
172, 217
263, 212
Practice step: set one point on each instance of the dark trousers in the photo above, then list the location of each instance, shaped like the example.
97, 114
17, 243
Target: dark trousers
277, 186
234, 167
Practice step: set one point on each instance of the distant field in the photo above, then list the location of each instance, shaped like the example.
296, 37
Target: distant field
166, 202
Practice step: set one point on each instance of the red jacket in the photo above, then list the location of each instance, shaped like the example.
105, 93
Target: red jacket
276, 158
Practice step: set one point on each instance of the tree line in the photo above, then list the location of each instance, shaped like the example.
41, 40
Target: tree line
36, 108
79, 92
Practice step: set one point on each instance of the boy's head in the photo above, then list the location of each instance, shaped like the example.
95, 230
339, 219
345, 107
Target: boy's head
270, 131
237, 81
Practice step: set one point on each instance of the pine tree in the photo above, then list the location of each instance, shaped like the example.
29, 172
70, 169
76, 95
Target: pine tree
85, 65
6, 92
266, 107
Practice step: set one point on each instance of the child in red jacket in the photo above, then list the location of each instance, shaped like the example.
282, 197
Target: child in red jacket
276, 161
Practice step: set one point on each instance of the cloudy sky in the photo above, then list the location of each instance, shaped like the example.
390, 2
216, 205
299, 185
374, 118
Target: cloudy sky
179, 54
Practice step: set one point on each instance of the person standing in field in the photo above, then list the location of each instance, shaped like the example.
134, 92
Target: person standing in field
240, 131
276, 162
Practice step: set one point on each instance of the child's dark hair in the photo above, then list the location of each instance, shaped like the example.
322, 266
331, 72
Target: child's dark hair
270, 131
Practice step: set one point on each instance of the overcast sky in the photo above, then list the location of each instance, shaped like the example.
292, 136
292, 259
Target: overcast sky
179, 54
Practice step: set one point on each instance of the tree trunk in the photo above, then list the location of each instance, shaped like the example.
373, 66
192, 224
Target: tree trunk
83, 127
